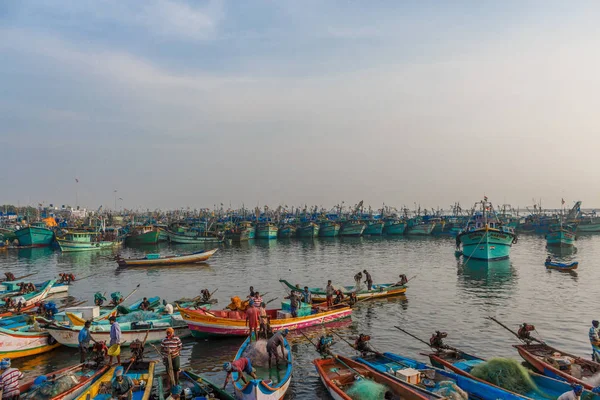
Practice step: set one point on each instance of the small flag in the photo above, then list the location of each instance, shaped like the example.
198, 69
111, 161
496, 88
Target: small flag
484, 198
563, 201
76, 180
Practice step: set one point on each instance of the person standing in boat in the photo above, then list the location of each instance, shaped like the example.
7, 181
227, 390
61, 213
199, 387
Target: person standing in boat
171, 346
252, 293
403, 280
368, 280
240, 365
276, 341
294, 302
257, 299
264, 322
306, 296
84, 341
595, 340
115, 340
548, 259
252, 320
9, 380
357, 280
329, 293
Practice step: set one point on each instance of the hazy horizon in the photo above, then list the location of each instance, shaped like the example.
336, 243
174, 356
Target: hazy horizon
176, 104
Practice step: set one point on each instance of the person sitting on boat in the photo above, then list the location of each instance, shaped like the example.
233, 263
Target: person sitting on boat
264, 322
595, 340
294, 302
205, 295
252, 320
352, 299
277, 340
548, 259
10, 276
99, 299
403, 280
145, 304
122, 385
368, 280
9, 380
362, 345
574, 394
357, 280
240, 365
307, 296
258, 300
437, 340
329, 293
339, 297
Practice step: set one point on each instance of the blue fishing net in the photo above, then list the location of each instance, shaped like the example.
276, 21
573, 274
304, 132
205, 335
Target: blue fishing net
139, 316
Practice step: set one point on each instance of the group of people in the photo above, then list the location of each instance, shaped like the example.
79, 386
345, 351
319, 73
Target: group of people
257, 319
358, 278
25, 288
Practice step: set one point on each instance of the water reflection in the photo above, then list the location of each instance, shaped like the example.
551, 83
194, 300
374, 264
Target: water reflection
562, 253
35, 253
490, 281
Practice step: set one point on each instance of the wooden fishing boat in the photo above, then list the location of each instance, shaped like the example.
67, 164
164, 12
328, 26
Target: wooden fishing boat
436, 380
340, 374
25, 342
79, 378
138, 371
143, 235
560, 266
286, 231
124, 310
561, 235
265, 387
84, 241
222, 323
378, 291
4, 312
308, 230
193, 237
33, 297
266, 230
201, 388
156, 259
557, 364
35, 235
329, 228
374, 228
12, 288
462, 363
352, 228
394, 226
130, 331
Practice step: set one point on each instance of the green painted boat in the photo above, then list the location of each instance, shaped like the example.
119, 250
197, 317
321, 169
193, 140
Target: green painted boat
286, 231
394, 227
266, 230
84, 241
378, 291
374, 228
163, 236
7, 234
143, 235
35, 235
308, 230
561, 235
329, 229
352, 228
192, 237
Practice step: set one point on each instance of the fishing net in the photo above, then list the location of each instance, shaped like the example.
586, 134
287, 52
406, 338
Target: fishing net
364, 389
50, 389
139, 316
505, 373
450, 391
257, 353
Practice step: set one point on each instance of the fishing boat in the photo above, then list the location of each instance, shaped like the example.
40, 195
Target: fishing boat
33, 297
35, 235
561, 235
394, 226
308, 230
352, 228
64, 384
193, 237
378, 291
12, 288
25, 341
437, 381
157, 259
200, 388
7, 234
143, 235
484, 237
286, 231
84, 241
141, 372
238, 234
266, 230
271, 384
222, 323
417, 227
374, 228
151, 331
343, 376
124, 310
329, 229
561, 266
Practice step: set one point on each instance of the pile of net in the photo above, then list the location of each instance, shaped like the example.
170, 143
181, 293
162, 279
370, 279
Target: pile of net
257, 353
450, 391
364, 389
140, 316
50, 389
506, 373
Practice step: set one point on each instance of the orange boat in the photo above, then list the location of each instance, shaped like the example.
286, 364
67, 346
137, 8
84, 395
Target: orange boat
156, 260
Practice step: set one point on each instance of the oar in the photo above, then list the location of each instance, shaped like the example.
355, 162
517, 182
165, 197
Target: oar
408, 280
413, 336
513, 332
85, 277
272, 300
376, 352
22, 277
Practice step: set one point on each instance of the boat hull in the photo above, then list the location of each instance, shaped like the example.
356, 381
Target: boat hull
395, 228
150, 237
286, 232
68, 336
560, 239
266, 232
189, 239
374, 229
17, 344
203, 325
308, 231
175, 260
71, 246
486, 244
378, 291
143, 370
34, 236
329, 229
352, 229
424, 229
562, 267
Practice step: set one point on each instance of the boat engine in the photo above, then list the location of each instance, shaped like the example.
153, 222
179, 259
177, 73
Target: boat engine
324, 346
137, 350
437, 340
524, 332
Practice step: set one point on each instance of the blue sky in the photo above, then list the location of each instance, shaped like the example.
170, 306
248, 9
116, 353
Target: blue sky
178, 104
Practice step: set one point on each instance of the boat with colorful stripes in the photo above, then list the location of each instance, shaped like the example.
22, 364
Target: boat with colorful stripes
25, 342
203, 323
378, 291
32, 298
271, 384
138, 371
329, 229
308, 230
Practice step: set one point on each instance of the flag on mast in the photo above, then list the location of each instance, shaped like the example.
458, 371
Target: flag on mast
562, 201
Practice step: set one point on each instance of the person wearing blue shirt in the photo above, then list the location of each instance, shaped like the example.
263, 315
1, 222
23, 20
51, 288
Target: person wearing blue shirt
593, 334
84, 341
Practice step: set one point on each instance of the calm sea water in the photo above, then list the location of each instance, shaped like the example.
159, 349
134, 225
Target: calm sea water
445, 295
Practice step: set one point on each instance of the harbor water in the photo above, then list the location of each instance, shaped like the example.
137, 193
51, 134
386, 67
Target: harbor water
447, 294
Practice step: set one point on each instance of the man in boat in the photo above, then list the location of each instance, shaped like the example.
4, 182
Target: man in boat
121, 385
437, 340
339, 297
548, 259
362, 345
252, 320
9, 380
574, 394
9, 303
357, 280
264, 322
145, 304
403, 280
257, 299
10, 276
171, 345
294, 302
352, 299
252, 293
277, 340
329, 293
84, 339
595, 340
240, 366
368, 280
116, 298
205, 295
115, 340
307, 296
324, 346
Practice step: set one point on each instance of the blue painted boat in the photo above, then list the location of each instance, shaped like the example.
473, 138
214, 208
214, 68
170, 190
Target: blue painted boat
308, 230
374, 228
35, 235
417, 227
352, 228
560, 266
266, 230
484, 237
394, 227
462, 364
329, 229
263, 388
286, 231
561, 235
437, 379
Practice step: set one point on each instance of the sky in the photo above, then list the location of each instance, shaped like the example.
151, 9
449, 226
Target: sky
190, 104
